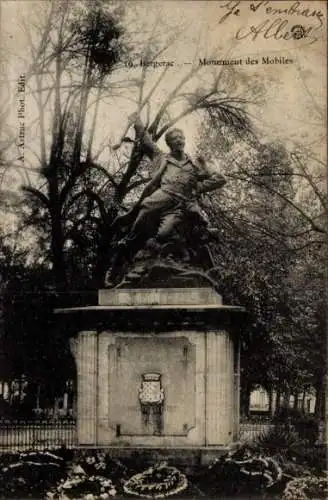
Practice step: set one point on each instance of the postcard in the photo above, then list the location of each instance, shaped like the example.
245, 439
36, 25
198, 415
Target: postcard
163, 232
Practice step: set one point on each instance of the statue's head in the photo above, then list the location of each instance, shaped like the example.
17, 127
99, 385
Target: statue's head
175, 139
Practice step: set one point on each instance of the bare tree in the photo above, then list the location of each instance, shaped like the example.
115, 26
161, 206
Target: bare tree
74, 57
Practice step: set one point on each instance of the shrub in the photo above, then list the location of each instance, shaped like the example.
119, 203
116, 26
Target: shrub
305, 425
286, 414
278, 438
307, 428
314, 457
242, 473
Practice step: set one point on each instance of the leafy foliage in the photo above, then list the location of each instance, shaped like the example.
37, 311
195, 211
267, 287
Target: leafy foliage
266, 259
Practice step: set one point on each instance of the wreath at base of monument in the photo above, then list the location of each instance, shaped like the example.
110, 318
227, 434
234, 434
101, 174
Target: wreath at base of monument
159, 481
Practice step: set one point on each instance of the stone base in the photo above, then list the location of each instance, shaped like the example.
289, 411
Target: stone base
159, 296
158, 370
186, 459
200, 410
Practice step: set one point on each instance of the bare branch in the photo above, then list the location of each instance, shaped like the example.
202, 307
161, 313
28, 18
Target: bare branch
307, 217
308, 177
39, 195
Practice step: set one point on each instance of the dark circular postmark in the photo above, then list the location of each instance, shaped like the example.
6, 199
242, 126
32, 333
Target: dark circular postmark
298, 32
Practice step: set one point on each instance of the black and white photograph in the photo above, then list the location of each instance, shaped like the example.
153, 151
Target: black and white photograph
163, 249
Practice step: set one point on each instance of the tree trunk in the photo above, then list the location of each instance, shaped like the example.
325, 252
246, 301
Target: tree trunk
93, 126
320, 407
57, 237
270, 397
135, 159
278, 401
103, 255
320, 399
245, 397
85, 90
104, 247
286, 399
303, 401
20, 388
10, 392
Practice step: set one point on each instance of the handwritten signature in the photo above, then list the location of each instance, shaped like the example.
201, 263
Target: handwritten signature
278, 28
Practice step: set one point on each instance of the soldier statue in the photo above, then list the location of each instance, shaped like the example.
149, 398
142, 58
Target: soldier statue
173, 190
170, 196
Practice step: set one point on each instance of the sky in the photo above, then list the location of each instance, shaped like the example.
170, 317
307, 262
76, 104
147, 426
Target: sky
293, 106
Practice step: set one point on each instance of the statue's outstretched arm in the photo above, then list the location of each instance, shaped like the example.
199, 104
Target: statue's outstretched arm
150, 147
210, 178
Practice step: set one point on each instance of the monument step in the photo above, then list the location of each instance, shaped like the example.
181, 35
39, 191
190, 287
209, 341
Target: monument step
181, 457
158, 296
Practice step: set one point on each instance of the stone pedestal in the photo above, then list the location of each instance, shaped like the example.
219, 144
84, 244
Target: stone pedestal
157, 368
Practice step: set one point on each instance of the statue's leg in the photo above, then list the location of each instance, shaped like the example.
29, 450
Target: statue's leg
147, 221
172, 233
168, 225
144, 223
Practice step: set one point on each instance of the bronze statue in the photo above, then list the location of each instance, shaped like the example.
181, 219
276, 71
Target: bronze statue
169, 198
173, 189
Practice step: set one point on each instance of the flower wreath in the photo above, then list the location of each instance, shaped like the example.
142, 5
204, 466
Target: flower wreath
159, 481
79, 485
307, 487
265, 468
